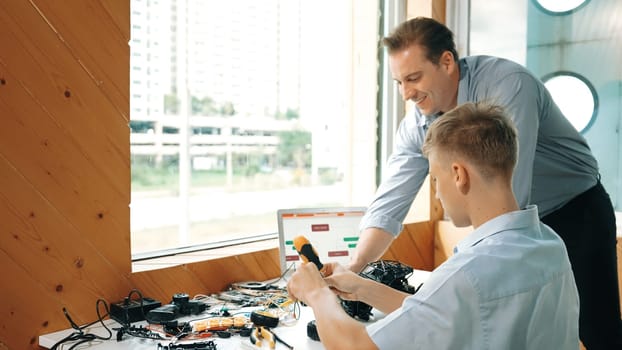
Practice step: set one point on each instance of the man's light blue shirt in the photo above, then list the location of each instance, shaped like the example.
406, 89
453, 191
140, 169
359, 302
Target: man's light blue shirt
508, 286
555, 163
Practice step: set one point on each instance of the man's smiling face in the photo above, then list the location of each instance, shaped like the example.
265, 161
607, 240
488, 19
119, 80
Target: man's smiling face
432, 87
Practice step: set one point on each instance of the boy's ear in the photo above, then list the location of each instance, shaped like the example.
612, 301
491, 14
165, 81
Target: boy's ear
461, 177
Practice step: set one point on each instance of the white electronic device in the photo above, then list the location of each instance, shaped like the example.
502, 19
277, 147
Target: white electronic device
333, 232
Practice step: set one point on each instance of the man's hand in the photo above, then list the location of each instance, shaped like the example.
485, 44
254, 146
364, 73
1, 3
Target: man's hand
351, 286
345, 283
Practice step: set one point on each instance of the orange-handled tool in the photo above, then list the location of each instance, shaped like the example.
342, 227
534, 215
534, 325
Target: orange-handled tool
307, 252
262, 333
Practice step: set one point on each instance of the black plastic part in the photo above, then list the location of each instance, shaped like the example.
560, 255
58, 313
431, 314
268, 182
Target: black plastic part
223, 334
128, 311
245, 332
264, 320
164, 313
180, 305
391, 273
312, 331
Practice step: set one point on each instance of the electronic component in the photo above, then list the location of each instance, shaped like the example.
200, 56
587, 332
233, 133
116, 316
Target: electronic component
219, 323
128, 310
312, 331
204, 345
180, 305
391, 273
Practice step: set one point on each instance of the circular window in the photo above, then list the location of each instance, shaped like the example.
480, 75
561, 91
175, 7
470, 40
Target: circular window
559, 7
575, 96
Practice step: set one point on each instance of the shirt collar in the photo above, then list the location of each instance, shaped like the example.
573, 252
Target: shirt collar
514, 220
424, 121
464, 82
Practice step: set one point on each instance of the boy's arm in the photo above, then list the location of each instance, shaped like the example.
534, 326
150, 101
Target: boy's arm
337, 329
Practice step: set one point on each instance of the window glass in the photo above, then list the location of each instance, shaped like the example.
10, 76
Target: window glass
238, 108
575, 47
575, 96
559, 6
507, 39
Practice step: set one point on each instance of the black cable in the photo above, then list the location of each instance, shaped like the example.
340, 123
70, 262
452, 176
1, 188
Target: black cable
78, 334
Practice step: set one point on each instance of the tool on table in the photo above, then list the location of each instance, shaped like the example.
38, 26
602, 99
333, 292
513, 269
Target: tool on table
307, 252
262, 333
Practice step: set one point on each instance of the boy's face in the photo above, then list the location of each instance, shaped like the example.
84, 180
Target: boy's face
432, 87
444, 178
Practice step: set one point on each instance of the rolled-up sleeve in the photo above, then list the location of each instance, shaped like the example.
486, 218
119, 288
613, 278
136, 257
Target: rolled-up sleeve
405, 172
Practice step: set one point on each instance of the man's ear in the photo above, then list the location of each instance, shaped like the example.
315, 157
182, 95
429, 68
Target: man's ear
461, 177
447, 60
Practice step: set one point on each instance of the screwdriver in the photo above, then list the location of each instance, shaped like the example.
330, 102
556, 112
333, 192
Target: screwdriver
307, 252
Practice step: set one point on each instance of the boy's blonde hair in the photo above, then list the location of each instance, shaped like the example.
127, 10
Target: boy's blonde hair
479, 132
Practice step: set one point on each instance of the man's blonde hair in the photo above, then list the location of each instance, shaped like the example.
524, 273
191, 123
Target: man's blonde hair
479, 132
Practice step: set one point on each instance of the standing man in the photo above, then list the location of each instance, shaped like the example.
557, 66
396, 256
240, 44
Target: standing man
556, 169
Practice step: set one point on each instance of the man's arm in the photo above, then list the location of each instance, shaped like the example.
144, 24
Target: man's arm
405, 172
350, 286
372, 243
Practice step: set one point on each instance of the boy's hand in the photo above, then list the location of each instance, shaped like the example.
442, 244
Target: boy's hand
305, 280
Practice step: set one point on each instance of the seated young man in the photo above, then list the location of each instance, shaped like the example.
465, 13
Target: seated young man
509, 284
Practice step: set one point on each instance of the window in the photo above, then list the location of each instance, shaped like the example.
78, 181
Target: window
576, 51
247, 107
575, 96
559, 7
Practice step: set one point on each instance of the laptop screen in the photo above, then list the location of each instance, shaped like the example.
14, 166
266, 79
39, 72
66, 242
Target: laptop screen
333, 232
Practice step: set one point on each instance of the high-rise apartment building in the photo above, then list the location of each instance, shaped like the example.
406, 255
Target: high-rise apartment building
244, 53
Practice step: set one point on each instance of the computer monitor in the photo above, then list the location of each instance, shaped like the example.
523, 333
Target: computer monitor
333, 232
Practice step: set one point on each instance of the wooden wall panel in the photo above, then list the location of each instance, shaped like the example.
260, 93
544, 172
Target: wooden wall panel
62, 84
47, 246
79, 24
208, 276
64, 163
414, 246
445, 239
32, 143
